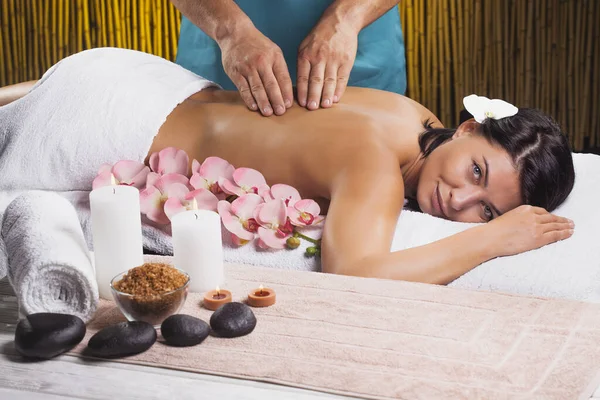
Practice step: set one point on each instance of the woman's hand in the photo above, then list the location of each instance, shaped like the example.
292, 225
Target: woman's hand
257, 68
527, 228
325, 59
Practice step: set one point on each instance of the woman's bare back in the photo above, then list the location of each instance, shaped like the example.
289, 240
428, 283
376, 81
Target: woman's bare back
305, 149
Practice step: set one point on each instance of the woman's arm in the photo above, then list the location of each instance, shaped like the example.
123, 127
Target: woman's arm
362, 218
10, 93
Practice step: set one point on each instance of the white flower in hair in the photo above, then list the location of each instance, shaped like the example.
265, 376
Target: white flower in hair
481, 107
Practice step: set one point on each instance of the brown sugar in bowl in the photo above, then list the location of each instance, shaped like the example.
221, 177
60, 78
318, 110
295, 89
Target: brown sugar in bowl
150, 292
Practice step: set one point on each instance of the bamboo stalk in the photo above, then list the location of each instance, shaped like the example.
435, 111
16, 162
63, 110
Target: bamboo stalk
570, 70
67, 28
177, 22
86, 25
435, 62
440, 103
116, 23
148, 23
498, 52
142, 22
165, 22
156, 29
447, 94
121, 4
410, 45
577, 22
428, 84
23, 38
421, 77
60, 40
455, 32
595, 106
486, 55
554, 61
539, 45
135, 22
129, 22
104, 24
34, 27
28, 27
80, 23
16, 31
110, 23
173, 24
544, 60
528, 56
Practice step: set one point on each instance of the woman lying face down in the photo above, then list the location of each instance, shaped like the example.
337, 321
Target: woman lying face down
360, 159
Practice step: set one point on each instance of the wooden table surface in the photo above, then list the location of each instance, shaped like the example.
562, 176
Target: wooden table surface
68, 377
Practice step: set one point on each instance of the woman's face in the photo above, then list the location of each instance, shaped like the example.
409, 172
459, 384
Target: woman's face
467, 179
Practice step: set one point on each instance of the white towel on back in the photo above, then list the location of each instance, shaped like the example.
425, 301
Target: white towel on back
98, 106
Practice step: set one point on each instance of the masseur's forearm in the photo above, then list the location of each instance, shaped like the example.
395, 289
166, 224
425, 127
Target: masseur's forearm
358, 13
219, 19
10, 93
439, 262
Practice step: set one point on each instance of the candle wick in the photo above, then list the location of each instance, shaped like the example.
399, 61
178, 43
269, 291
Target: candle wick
196, 215
114, 191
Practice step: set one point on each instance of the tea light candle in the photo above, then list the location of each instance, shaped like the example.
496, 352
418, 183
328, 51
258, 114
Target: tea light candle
261, 297
198, 248
216, 298
117, 233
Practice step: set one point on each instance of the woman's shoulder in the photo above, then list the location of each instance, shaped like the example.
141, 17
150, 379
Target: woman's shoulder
394, 103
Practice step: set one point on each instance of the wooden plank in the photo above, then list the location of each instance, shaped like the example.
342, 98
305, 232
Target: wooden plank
14, 394
72, 376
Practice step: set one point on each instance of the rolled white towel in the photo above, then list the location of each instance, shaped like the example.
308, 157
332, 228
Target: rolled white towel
49, 265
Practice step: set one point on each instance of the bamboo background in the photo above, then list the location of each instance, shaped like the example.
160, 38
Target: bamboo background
532, 53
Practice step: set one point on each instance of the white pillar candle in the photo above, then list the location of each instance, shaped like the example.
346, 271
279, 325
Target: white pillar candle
117, 233
198, 248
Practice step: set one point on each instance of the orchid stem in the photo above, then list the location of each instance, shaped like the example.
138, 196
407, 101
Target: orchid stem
309, 239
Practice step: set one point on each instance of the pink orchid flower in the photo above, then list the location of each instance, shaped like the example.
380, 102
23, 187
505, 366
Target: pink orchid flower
305, 213
204, 200
158, 191
125, 172
244, 180
238, 217
285, 192
207, 174
275, 227
169, 160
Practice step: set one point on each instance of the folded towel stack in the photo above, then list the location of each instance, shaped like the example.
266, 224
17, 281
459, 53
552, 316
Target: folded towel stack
49, 265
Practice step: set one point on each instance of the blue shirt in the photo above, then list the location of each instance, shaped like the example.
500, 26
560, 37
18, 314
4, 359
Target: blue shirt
379, 64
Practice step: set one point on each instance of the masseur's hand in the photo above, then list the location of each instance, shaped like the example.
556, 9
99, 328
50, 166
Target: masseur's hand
257, 68
527, 228
325, 59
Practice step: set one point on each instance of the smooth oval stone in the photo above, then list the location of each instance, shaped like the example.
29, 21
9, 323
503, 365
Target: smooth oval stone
184, 330
122, 339
232, 320
46, 335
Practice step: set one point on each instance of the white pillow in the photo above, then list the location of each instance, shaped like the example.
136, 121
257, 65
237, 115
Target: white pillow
568, 269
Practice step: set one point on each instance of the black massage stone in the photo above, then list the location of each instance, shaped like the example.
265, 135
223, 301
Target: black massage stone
184, 330
232, 320
121, 340
46, 335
